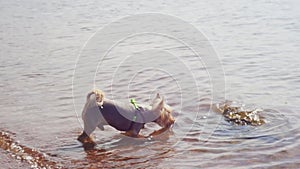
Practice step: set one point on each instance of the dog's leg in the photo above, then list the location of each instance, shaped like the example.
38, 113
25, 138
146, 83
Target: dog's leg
91, 118
158, 132
135, 130
83, 137
89, 127
87, 141
132, 134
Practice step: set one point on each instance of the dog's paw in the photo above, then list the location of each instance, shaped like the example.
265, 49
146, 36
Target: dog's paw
87, 142
88, 145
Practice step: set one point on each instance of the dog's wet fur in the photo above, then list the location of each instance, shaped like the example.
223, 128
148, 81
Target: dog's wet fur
99, 111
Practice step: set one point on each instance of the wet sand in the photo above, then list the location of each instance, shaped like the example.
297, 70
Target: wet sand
9, 162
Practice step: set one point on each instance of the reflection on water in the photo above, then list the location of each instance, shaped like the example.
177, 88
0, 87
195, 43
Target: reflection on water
258, 44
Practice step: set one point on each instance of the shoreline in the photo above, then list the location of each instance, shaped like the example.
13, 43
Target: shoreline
7, 161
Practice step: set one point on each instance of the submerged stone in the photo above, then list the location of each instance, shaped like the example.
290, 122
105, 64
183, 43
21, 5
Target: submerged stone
239, 116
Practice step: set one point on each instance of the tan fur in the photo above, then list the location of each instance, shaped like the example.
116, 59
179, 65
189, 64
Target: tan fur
99, 96
163, 111
165, 119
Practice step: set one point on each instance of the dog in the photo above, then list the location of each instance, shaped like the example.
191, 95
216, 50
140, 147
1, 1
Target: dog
127, 117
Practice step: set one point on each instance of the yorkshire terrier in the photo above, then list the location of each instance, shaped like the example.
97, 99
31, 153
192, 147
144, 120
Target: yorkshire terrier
127, 117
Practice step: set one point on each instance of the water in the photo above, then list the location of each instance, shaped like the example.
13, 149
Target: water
257, 43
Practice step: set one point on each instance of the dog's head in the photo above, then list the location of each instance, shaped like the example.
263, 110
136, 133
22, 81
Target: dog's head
164, 111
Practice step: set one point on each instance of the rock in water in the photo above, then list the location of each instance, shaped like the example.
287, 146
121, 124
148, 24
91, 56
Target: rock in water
239, 116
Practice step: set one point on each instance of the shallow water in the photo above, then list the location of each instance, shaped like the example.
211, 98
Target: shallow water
257, 44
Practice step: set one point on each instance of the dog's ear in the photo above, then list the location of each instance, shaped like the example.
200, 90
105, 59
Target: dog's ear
157, 96
160, 105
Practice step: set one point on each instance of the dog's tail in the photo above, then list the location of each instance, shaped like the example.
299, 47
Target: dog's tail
88, 97
98, 94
